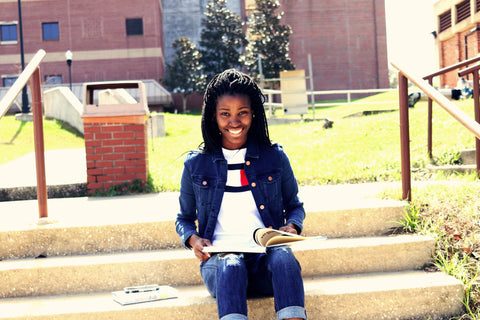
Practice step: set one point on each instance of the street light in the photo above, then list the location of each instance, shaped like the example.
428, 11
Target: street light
68, 57
25, 108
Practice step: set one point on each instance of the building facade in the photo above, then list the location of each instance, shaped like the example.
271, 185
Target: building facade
346, 41
457, 34
131, 39
110, 39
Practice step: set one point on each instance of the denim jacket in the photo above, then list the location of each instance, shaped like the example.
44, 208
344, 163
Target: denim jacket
271, 181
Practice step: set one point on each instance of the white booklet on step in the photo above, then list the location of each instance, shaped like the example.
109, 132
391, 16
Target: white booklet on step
139, 294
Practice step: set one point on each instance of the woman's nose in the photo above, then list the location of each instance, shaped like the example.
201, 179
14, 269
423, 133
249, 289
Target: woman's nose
234, 120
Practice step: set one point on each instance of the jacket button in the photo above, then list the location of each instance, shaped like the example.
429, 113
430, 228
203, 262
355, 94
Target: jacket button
254, 184
247, 163
204, 183
262, 207
270, 178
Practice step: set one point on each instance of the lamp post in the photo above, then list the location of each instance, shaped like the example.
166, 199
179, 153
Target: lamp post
25, 108
68, 57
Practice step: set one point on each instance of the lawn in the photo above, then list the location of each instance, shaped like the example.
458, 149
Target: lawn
355, 149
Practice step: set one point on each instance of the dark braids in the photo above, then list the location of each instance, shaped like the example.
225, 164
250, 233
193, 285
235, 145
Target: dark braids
232, 82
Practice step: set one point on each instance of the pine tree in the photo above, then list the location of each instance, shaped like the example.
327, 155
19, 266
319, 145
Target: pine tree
222, 38
185, 74
270, 39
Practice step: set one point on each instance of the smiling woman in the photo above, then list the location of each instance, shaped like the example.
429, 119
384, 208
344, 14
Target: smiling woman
238, 182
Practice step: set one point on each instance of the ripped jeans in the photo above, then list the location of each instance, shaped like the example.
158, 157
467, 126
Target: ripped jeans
232, 277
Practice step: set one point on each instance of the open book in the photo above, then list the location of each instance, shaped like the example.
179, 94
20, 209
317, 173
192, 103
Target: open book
265, 238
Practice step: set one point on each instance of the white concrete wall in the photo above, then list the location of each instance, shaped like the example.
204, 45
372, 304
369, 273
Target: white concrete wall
60, 103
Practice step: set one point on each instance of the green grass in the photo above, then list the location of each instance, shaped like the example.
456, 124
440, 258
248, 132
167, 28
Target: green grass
356, 149
16, 138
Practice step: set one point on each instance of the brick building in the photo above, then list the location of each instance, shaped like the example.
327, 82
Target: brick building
457, 30
110, 39
346, 39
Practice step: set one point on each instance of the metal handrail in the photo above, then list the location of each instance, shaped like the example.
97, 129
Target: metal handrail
21, 82
476, 94
270, 92
32, 73
403, 76
430, 102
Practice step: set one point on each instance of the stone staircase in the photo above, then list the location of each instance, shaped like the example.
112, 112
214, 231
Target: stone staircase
67, 269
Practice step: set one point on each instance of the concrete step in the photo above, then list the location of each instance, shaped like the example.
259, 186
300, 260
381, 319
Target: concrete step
79, 226
109, 272
468, 156
451, 169
401, 295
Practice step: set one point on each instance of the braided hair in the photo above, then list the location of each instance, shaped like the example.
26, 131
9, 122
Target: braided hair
232, 82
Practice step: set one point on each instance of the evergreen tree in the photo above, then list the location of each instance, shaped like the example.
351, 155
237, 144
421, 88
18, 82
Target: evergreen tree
222, 38
185, 74
270, 39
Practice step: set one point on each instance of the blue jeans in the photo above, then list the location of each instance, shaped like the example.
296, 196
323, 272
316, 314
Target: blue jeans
230, 278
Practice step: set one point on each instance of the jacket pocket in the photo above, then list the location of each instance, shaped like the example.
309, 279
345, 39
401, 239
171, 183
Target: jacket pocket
203, 187
271, 187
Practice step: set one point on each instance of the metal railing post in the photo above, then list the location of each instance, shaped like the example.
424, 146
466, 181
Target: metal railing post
39, 143
404, 137
476, 96
430, 126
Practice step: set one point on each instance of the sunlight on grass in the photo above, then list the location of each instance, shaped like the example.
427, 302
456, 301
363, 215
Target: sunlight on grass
16, 138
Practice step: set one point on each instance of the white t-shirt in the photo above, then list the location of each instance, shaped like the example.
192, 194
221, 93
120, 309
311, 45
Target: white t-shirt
238, 216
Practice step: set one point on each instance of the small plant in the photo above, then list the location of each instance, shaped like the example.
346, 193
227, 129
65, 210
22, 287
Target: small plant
133, 187
450, 157
410, 221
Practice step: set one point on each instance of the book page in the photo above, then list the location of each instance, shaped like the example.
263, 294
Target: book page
266, 236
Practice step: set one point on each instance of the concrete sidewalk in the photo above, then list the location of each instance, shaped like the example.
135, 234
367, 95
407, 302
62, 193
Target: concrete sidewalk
67, 166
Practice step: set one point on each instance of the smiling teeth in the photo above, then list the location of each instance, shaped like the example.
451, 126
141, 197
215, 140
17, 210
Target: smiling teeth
235, 131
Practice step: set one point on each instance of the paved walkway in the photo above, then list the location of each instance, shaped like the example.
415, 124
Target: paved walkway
61, 166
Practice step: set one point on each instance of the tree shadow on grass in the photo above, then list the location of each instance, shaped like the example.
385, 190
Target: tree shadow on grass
15, 136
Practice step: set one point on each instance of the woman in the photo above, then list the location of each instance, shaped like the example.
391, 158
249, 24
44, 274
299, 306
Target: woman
237, 182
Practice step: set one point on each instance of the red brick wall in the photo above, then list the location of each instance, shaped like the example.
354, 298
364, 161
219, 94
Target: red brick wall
95, 32
346, 39
452, 51
115, 152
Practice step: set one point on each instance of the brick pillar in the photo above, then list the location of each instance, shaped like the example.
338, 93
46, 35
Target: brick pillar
116, 150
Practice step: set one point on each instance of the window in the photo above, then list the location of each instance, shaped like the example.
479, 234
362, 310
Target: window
463, 10
50, 31
8, 80
9, 32
477, 5
445, 20
53, 79
134, 27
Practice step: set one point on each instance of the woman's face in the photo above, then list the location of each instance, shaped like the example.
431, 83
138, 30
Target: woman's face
234, 118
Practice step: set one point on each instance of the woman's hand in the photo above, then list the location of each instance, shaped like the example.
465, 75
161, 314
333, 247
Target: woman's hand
197, 245
289, 228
